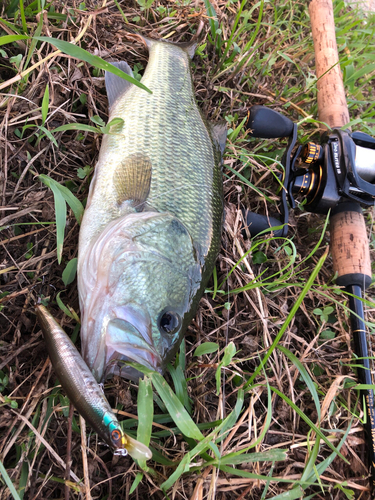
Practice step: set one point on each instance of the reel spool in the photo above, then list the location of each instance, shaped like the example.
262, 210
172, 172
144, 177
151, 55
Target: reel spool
341, 168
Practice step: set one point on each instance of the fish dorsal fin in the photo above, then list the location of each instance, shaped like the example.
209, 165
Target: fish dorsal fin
132, 180
116, 86
219, 135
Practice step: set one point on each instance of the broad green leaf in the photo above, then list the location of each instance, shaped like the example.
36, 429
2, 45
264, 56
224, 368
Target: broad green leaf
33, 42
70, 272
232, 417
81, 54
61, 195
16, 60
259, 258
206, 348
215, 449
297, 492
23, 479
161, 459
229, 352
97, 120
285, 56
113, 127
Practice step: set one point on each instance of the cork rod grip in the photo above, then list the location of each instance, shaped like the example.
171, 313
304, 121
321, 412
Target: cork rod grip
349, 246
332, 107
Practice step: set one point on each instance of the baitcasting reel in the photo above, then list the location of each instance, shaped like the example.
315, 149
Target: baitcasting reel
341, 168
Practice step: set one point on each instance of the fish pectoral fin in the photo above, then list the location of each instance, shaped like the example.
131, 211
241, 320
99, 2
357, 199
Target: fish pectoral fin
219, 135
132, 180
116, 86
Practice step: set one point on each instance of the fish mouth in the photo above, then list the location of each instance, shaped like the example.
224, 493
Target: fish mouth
126, 343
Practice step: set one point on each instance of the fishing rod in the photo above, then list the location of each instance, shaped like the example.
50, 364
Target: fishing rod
337, 176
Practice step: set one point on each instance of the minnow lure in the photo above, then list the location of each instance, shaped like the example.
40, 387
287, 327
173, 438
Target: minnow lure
84, 391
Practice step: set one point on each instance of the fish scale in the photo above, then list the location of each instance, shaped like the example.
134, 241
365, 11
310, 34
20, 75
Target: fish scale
166, 130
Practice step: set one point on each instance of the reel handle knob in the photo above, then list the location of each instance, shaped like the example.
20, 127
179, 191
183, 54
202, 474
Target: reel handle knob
258, 223
267, 123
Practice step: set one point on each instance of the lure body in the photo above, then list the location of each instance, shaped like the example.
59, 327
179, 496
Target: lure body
83, 390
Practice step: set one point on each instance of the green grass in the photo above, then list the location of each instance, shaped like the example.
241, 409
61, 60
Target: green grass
248, 403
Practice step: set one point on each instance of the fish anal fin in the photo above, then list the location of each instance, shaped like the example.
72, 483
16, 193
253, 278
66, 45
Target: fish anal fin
116, 86
132, 180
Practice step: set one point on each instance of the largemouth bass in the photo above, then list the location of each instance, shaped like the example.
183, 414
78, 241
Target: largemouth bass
151, 230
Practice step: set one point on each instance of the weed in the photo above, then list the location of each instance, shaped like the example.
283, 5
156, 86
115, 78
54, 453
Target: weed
262, 395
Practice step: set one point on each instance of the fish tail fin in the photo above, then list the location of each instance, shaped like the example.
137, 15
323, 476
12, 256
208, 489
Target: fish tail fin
188, 47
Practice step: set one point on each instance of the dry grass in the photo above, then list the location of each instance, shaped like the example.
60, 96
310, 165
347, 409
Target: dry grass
40, 440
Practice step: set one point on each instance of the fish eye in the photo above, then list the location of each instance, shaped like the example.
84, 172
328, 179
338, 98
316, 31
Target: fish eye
169, 322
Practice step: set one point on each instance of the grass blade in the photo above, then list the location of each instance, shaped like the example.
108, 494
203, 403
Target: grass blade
83, 55
12, 38
45, 105
76, 126
175, 408
291, 315
305, 375
68, 196
60, 214
70, 271
309, 422
8, 482
23, 18
145, 406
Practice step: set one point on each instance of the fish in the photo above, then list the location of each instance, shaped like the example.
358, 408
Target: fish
84, 391
151, 230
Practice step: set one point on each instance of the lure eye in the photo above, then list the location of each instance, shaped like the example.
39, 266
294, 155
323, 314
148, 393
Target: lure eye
116, 438
169, 322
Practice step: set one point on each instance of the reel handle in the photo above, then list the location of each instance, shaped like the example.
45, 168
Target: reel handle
257, 223
268, 124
